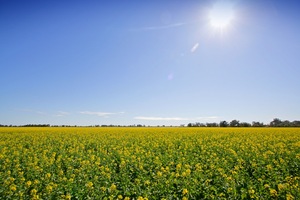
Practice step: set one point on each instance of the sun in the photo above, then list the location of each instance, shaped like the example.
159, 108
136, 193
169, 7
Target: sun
221, 15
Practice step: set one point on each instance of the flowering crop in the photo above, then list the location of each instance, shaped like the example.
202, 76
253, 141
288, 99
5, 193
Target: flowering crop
150, 163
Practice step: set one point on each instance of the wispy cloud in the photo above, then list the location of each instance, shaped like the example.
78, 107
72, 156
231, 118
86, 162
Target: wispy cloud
149, 28
161, 118
61, 114
100, 114
176, 118
207, 118
195, 47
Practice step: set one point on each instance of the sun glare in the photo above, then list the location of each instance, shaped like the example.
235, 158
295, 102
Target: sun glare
221, 15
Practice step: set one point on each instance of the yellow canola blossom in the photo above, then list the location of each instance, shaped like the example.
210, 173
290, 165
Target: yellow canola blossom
149, 163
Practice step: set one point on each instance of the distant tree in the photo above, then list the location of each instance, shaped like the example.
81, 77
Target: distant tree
36, 125
224, 124
296, 123
276, 122
257, 124
202, 125
286, 123
212, 124
198, 124
234, 123
244, 124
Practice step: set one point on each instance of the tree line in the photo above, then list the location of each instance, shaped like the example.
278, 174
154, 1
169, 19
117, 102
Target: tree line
236, 123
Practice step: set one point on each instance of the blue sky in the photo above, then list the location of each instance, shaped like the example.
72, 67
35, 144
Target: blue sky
148, 62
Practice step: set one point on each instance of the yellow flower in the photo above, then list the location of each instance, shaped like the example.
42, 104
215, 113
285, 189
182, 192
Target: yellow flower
251, 191
123, 163
49, 188
188, 171
120, 197
273, 193
281, 186
147, 182
159, 174
289, 197
48, 175
184, 191
89, 185
68, 197
113, 187
28, 183
33, 191
178, 166
13, 187
35, 197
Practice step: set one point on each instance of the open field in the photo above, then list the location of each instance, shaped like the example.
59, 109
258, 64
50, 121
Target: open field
149, 163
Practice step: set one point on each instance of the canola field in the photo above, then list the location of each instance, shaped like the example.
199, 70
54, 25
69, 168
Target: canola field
149, 163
